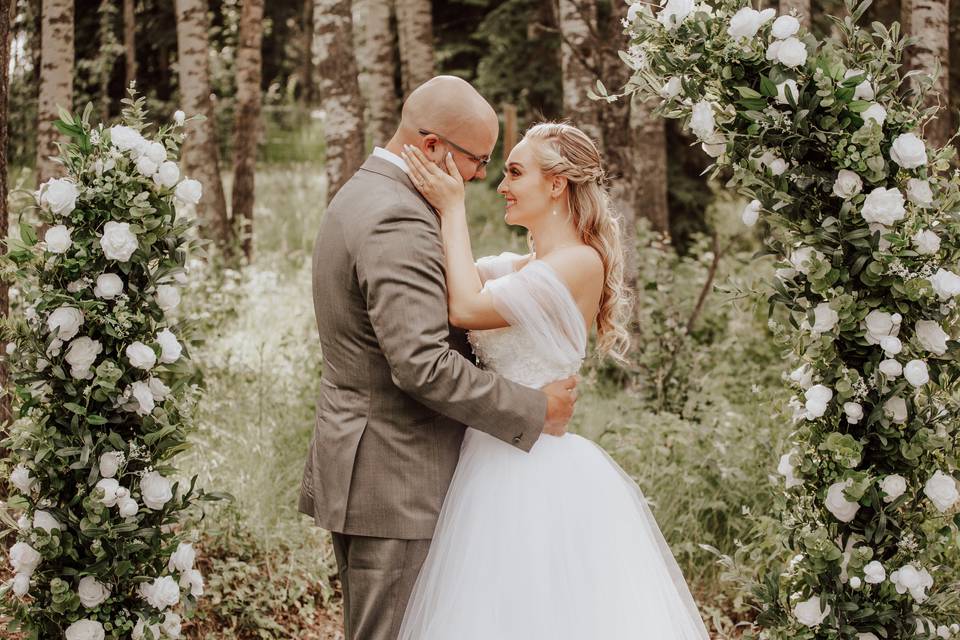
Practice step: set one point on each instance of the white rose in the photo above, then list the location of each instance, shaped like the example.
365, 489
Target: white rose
782, 88
21, 479
169, 346
891, 368
140, 390
919, 192
751, 213
946, 284
109, 286
908, 578
156, 152
192, 580
874, 573
801, 259
675, 12
168, 297
140, 631
59, 196
155, 490
908, 151
931, 336
24, 558
916, 373
158, 389
879, 324
110, 463
788, 471
92, 593
893, 486
855, 582
57, 239
784, 27
125, 138
777, 166
773, 49
853, 411
745, 23
792, 53
825, 319
146, 166
847, 184
45, 520
118, 242
874, 112
701, 121
837, 504
167, 175
65, 321
926, 242
803, 376
21, 584
179, 117
171, 625
896, 409
883, 206
671, 89
110, 488
810, 613
891, 345
817, 397
141, 356
182, 559
942, 491
188, 191
85, 630
163, 592
81, 354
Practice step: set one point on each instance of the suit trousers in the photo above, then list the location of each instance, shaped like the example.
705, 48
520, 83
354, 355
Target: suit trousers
377, 576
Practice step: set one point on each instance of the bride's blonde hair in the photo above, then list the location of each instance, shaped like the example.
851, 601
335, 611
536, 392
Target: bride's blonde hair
564, 150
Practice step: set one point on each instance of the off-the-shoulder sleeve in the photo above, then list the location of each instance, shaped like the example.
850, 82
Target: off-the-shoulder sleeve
490, 267
536, 299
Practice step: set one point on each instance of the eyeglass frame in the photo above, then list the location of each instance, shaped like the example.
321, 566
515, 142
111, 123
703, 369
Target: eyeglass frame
482, 161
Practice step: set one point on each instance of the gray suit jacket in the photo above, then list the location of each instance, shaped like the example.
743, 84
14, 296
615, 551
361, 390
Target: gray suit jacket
399, 383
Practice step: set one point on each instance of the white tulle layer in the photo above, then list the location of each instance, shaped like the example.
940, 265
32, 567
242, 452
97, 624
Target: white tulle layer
556, 544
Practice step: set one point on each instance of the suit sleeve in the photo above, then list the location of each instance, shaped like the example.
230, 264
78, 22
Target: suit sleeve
401, 274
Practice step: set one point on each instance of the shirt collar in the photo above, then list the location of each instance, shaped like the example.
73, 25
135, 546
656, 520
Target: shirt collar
390, 157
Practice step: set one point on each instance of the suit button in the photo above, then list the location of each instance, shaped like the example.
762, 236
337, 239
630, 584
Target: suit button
517, 438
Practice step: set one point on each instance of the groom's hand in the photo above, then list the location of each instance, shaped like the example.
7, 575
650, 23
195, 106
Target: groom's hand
561, 398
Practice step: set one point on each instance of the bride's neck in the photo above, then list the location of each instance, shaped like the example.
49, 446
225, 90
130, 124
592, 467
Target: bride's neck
554, 232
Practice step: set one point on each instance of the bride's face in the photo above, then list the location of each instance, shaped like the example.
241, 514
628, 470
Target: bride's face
526, 189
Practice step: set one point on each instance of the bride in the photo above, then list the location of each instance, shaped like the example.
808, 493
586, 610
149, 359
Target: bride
558, 543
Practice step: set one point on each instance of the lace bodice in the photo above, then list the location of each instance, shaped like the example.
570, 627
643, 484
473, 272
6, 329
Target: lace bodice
546, 338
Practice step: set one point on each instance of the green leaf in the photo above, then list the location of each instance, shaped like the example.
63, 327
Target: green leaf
747, 92
74, 407
28, 234
767, 87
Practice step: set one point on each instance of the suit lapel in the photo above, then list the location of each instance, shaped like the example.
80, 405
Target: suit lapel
373, 164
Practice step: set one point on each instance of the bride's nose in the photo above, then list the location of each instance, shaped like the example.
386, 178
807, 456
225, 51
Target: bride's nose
501, 188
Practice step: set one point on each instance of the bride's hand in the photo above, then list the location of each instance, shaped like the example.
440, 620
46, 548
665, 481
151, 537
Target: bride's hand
442, 189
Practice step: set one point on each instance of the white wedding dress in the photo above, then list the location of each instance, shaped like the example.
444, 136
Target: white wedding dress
554, 544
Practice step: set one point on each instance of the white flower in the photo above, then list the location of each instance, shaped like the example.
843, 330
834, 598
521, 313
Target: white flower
792, 53
801, 258
45, 520
110, 463
874, 573
21, 584
146, 166
672, 88
66, 321
817, 397
777, 166
746, 22
179, 117
118, 242
751, 213
156, 152
140, 630
140, 390
701, 121
109, 286
787, 470
85, 630
883, 206
182, 559
59, 196
891, 345
919, 192
24, 558
931, 336
896, 409
837, 504
168, 297
893, 486
158, 389
193, 580
908, 578
847, 184
141, 356
908, 151
110, 488
803, 376
880, 324
167, 175
57, 239
773, 49
127, 506
916, 373
188, 191
21, 479
675, 12
874, 112
162, 593
782, 91
825, 319
92, 593
81, 354
891, 368
942, 491
155, 490
853, 411
171, 625
810, 613
864, 90
170, 348
784, 27
855, 582
125, 138
946, 284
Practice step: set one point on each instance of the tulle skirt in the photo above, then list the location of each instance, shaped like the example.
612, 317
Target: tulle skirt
554, 544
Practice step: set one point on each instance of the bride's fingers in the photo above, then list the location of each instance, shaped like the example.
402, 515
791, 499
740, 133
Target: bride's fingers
450, 165
413, 169
423, 170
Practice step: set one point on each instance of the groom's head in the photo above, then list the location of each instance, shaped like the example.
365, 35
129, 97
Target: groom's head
447, 115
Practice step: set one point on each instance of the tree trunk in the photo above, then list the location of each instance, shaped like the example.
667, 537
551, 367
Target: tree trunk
955, 67
6, 7
200, 156
56, 81
247, 125
415, 33
929, 23
339, 92
650, 149
578, 20
802, 8
376, 56
308, 90
129, 41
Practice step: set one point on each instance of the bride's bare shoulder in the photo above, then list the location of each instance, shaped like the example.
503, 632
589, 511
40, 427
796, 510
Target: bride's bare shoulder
578, 265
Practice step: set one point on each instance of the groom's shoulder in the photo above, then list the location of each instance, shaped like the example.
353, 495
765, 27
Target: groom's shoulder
373, 196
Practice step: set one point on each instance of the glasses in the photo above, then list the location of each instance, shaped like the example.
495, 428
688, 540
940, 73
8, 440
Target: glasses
481, 161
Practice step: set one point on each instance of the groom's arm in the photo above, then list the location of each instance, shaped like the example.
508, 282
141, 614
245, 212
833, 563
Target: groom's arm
400, 271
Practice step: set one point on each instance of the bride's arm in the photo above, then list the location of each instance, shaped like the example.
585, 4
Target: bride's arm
469, 306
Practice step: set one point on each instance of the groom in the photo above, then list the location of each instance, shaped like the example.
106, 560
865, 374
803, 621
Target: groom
399, 385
